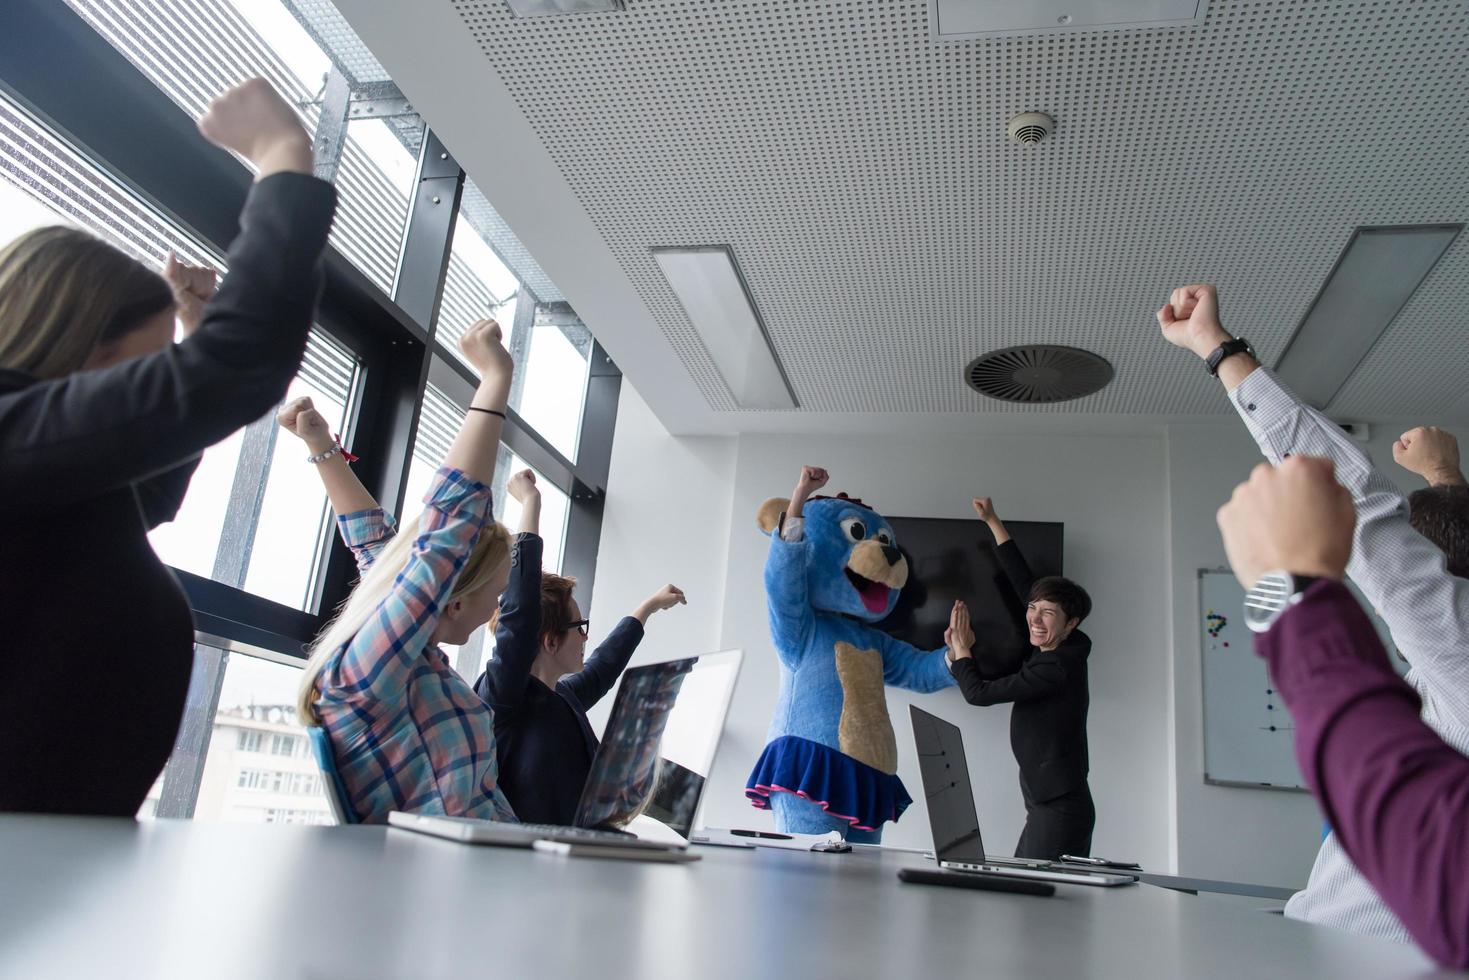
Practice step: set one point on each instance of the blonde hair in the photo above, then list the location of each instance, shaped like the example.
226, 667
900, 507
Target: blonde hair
64, 293
488, 558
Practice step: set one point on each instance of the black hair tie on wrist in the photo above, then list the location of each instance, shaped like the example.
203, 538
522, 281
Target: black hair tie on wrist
487, 411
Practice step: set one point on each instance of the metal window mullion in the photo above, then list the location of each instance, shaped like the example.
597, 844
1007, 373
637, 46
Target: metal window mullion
331, 126
594, 454
185, 771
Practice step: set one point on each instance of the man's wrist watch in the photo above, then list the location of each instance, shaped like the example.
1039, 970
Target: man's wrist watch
1270, 597
1229, 348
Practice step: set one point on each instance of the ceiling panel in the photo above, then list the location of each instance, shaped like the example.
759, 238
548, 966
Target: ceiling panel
890, 233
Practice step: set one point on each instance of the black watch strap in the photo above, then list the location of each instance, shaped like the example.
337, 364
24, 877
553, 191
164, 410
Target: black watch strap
1229, 348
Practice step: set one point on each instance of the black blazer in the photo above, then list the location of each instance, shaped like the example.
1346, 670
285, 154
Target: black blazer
89, 463
542, 737
1050, 697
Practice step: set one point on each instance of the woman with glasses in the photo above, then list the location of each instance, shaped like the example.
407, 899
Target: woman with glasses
539, 681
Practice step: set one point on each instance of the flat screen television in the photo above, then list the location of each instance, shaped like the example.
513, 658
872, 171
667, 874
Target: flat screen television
948, 560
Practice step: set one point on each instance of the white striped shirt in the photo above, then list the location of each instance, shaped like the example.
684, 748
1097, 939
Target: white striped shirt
1403, 576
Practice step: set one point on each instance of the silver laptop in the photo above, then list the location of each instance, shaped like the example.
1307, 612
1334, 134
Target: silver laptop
952, 817
653, 763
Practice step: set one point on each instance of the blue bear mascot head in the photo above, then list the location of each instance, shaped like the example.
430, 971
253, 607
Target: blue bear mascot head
856, 568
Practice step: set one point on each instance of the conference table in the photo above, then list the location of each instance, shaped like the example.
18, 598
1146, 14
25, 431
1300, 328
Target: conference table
100, 897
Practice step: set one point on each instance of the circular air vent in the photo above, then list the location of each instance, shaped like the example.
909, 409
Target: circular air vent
1030, 128
1038, 373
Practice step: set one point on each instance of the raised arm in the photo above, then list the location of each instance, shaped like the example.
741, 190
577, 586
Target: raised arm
344, 491
522, 486
518, 621
1431, 453
69, 438
363, 524
1007, 552
375, 665
1395, 794
607, 662
1400, 572
786, 570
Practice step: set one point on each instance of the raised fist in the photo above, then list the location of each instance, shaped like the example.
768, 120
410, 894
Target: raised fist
812, 478
300, 418
483, 345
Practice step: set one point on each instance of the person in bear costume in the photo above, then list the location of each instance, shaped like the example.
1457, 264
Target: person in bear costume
831, 759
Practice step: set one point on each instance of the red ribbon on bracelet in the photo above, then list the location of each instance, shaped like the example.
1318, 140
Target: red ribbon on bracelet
345, 455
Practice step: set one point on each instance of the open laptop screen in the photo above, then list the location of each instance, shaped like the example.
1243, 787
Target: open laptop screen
658, 748
946, 789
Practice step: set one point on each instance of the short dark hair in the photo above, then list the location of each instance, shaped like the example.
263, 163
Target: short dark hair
1072, 598
1441, 514
556, 603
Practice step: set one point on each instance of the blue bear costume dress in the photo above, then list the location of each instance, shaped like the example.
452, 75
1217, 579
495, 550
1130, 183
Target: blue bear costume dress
831, 742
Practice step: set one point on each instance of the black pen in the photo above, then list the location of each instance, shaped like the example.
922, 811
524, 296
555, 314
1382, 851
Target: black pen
1099, 862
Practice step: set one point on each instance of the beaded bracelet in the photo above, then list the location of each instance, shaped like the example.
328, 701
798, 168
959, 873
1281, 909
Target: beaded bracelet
322, 457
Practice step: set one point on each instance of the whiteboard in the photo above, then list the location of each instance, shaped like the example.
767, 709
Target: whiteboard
1249, 737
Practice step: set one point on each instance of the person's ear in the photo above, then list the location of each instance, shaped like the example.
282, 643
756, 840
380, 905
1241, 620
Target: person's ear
768, 516
1072, 624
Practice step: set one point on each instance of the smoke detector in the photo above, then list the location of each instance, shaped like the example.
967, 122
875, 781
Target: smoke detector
1038, 373
1029, 128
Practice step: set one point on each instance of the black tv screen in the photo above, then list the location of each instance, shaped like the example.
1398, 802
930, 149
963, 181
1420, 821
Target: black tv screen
950, 560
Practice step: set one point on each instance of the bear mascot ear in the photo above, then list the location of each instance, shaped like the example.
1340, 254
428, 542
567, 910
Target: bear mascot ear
768, 516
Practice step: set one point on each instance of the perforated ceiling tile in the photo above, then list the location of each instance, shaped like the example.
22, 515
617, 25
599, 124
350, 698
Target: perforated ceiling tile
891, 232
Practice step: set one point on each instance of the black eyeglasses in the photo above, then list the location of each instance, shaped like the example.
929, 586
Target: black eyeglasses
580, 626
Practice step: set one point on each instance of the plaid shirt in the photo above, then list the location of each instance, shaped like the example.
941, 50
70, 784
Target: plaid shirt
407, 731
1404, 578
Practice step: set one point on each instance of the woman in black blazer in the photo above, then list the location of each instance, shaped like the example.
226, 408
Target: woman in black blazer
1050, 697
537, 681
102, 421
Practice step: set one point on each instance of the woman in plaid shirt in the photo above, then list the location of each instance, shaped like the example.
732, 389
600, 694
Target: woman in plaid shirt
407, 732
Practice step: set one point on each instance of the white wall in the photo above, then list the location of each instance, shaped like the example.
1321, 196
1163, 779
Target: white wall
666, 520
1259, 835
683, 509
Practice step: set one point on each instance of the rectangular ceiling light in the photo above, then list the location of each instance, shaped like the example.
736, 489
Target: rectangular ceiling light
958, 19
708, 283
1373, 279
545, 8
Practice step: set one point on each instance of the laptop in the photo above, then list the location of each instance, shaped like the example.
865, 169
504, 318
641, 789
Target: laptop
952, 816
651, 766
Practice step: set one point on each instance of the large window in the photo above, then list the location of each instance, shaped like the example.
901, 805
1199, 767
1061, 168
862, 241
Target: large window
255, 520
551, 346
194, 49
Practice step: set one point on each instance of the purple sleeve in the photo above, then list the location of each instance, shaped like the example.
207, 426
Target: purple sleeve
1395, 794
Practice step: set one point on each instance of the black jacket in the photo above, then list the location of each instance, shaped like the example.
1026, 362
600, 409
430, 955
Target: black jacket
1049, 692
542, 737
89, 463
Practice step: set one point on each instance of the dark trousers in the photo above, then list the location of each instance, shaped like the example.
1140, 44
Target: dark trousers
1058, 826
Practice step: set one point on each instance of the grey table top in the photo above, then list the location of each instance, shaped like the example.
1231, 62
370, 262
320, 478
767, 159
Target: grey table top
84, 897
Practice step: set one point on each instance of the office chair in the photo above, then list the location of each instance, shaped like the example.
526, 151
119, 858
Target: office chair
331, 779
